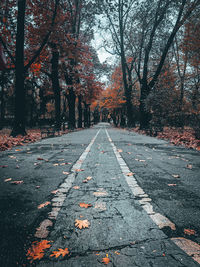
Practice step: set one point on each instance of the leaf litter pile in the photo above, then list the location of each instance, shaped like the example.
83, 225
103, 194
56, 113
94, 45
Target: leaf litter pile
177, 137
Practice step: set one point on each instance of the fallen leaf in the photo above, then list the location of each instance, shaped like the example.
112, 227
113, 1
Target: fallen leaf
171, 184
176, 175
129, 145
189, 166
120, 150
82, 224
55, 164
105, 260
76, 187
89, 178
129, 153
36, 252
12, 157
17, 149
3, 166
142, 160
164, 254
84, 205
37, 186
40, 159
116, 252
17, 167
54, 192
65, 173
44, 205
8, 179
129, 174
189, 232
17, 182
61, 159
60, 251
85, 181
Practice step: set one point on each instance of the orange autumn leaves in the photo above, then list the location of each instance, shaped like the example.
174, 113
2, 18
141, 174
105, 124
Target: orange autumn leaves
37, 251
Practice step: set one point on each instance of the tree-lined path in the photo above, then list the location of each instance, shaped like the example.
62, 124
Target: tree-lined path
136, 199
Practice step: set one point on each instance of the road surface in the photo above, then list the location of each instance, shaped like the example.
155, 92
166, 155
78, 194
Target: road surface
143, 196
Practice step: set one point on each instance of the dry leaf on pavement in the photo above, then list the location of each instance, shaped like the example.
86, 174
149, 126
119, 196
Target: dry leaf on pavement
82, 224
17, 182
189, 232
44, 205
84, 205
176, 175
79, 170
171, 184
129, 174
106, 260
76, 187
8, 179
60, 251
36, 252
189, 166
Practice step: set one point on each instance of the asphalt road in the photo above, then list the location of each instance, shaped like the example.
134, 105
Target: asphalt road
144, 195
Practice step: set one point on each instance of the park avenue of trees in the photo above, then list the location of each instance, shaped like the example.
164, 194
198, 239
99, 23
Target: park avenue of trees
52, 73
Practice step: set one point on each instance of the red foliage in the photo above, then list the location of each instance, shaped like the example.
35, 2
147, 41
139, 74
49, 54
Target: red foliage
7, 142
177, 137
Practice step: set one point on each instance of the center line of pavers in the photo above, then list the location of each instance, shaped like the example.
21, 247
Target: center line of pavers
57, 202
189, 247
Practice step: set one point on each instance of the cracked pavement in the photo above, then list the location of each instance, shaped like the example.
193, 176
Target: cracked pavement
120, 228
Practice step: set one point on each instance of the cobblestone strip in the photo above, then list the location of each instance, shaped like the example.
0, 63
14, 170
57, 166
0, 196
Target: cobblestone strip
60, 196
191, 248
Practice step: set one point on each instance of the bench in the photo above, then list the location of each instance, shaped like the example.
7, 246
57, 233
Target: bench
49, 131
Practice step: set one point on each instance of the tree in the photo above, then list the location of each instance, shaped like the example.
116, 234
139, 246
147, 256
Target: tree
119, 15
22, 67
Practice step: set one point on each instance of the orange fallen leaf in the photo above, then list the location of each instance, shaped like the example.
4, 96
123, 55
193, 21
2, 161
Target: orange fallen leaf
171, 184
82, 224
129, 174
116, 252
17, 149
54, 192
129, 153
60, 251
55, 164
85, 181
84, 205
89, 178
44, 205
17, 182
76, 187
36, 252
105, 260
8, 179
120, 150
189, 232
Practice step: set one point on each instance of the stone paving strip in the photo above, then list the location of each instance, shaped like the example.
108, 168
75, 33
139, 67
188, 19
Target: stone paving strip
57, 201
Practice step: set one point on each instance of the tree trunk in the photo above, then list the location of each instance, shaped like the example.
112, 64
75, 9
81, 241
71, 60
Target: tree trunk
20, 93
86, 115
145, 116
55, 84
2, 101
71, 97
80, 111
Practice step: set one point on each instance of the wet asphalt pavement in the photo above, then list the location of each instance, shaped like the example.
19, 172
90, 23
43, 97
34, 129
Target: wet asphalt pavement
144, 192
